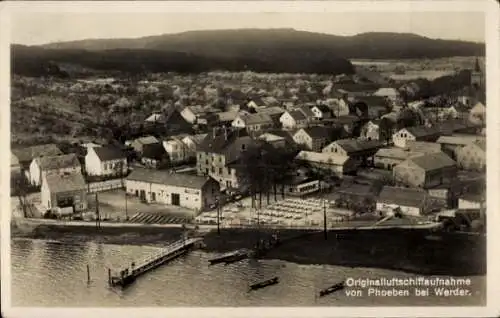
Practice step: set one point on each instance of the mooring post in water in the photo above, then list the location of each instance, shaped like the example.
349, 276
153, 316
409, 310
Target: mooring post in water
109, 276
88, 273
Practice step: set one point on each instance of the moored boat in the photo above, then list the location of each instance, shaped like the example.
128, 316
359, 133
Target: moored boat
269, 282
332, 289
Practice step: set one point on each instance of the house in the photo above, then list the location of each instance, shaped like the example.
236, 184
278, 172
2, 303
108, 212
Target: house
336, 164
477, 114
24, 156
388, 92
154, 156
177, 151
371, 131
472, 156
450, 144
192, 114
423, 146
275, 112
226, 118
314, 138
358, 149
347, 122
217, 151
138, 144
274, 140
338, 106
64, 191
359, 194
155, 117
426, 171
253, 122
192, 142
412, 202
107, 161
322, 112
388, 158
159, 186
294, 119
417, 133
41, 166
472, 201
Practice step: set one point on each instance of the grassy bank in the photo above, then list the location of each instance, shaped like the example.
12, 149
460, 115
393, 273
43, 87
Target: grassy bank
396, 249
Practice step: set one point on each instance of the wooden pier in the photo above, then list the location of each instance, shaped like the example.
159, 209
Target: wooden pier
128, 275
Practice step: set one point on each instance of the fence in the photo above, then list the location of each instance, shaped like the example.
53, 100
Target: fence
100, 186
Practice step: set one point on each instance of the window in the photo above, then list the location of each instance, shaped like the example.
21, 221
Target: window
206, 161
213, 169
220, 171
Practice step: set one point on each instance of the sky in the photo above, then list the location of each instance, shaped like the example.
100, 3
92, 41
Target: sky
47, 27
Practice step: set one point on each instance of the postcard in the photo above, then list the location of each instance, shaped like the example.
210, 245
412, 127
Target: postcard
247, 159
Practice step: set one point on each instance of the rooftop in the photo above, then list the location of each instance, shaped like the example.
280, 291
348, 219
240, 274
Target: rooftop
154, 151
109, 152
322, 157
65, 182
29, 153
358, 145
168, 178
402, 196
58, 162
432, 161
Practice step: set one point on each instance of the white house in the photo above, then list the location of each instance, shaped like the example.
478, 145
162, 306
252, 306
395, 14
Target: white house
406, 201
253, 122
64, 191
331, 162
188, 191
313, 138
176, 149
471, 201
41, 166
294, 119
192, 143
338, 106
272, 139
322, 112
416, 133
478, 114
105, 161
192, 113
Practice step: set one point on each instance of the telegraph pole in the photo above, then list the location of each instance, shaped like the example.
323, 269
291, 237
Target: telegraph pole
98, 215
324, 220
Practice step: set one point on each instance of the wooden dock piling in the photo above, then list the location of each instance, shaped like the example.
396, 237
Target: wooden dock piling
88, 273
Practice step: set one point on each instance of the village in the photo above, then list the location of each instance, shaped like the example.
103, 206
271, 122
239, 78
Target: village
275, 150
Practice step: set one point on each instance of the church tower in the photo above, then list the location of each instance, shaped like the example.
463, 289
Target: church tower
477, 76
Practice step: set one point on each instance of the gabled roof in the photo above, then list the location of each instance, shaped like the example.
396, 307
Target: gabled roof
481, 144
147, 140
297, 115
197, 109
57, 162
168, 178
155, 117
257, 118
227, 116
347, 119
29, 153
395, 153
197, 139
323, 108
322, 157
269, 137
306, 110
275, 110
106, 153
358, 145
65, 182
216, 142
386, 91
422, 146
458, 139
318, 132
402, 196
154, 151
432, 161
424, 131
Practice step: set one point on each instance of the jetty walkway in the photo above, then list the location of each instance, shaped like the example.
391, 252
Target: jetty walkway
128, 275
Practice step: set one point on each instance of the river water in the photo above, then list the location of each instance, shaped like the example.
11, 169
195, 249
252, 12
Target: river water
49, 273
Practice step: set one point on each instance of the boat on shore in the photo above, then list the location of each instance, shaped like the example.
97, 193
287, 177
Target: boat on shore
230, 257
263, 284
332, 289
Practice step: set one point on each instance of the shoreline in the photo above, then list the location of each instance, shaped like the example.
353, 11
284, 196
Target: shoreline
403, 250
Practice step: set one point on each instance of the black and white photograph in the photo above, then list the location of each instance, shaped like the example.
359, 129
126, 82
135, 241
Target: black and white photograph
255, 156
